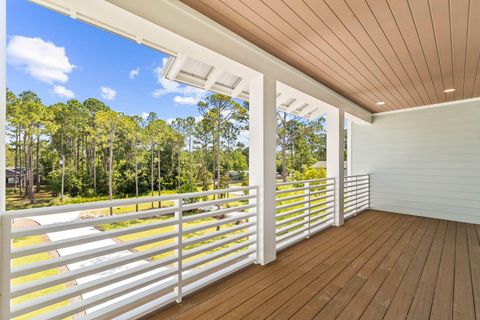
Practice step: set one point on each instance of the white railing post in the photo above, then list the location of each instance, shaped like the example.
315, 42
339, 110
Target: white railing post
368, 194
335, 159
262, 131
307, 205
5, 267
179, 229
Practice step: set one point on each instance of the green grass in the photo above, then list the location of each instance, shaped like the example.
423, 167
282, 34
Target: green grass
28, 241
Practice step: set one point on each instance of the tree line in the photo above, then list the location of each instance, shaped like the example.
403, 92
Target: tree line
87, 149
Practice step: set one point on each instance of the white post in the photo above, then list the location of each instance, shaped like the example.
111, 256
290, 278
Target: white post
335, 147
179, 240
3, 104
5, 224
263, 126
349, 147
306, 185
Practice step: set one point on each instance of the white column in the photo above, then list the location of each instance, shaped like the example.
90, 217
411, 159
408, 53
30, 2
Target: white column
3, 107
335, 147
263, 128
349, 147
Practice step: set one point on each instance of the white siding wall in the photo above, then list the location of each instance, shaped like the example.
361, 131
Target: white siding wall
424, 162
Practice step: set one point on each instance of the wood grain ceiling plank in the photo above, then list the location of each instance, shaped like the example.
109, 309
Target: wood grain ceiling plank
338, 13
404, 20
371, 25
298, 14
473, 49
257, 11
459, 11
420, 11
440, 14
384, 17
246, 28
348, 47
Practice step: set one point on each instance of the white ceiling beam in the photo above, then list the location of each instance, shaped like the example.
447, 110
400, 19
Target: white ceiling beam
315, 114
177, 66
307, 110
241, 85
295, 105
212, 77
282, 99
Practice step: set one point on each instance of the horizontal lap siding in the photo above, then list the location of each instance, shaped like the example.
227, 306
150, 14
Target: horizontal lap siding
424, 162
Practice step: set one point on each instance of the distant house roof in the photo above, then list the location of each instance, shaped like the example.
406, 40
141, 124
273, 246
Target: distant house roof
323, 164
11, 172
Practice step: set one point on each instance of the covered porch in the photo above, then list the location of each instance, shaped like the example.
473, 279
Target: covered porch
379, 265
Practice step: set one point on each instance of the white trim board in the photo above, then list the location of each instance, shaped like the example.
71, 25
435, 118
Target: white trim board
428, 106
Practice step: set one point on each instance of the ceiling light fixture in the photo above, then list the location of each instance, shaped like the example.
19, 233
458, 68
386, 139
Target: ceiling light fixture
380, 103
449, 90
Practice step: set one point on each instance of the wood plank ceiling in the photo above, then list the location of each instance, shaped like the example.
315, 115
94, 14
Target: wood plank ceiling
403, 53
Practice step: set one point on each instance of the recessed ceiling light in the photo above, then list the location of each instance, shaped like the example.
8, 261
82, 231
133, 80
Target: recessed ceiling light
449, 90
380, 103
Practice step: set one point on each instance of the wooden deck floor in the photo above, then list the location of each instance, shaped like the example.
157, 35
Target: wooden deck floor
378, 266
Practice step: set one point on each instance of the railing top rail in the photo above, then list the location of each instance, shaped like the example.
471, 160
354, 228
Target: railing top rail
279, 184
115, 203
357, 175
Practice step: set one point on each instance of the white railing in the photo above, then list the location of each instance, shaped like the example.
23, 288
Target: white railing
356, 194
100, 266
303, 208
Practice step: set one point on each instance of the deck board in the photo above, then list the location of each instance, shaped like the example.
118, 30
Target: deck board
378, 265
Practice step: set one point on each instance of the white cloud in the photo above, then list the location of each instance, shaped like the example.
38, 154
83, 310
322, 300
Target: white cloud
41, 59
144, 115
134, 73
185, 95
108, 93
185, 100
63, 92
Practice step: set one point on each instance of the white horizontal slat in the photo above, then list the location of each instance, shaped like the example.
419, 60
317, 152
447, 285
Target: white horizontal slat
302, 195
217, 254
222, 232
278, 192
316, 205
300, 216
216, 224
80, 223
292, 233
217, 213
201, 249
280, 184
87, 254
293, 204
317, 219
293, 225
284, 214
321, 210
188, 207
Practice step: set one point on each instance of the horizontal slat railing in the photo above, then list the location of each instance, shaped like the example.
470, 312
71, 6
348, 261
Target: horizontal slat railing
356, 194
303, 208
101, 266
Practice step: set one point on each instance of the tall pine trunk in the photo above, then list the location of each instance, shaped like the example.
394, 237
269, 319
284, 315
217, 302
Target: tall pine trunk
110, 175
151, 171
159, 176
37, 164
136, 180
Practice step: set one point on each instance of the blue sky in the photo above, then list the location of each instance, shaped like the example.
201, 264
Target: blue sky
58, 58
